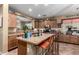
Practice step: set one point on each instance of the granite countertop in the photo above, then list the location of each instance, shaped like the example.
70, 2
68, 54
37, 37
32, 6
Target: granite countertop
12, 34
36, 40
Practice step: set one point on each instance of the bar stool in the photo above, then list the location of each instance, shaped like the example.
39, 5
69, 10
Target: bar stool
56, 44
51, 46
46, 46
42, 48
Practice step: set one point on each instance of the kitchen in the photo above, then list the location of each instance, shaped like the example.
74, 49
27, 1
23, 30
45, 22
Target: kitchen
51, 21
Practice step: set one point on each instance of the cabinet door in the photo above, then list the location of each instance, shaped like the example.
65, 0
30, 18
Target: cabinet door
41, 24
66, 38
12, 20
74, 39
61, 37
77, 40
36, 24
12, 42
53, 24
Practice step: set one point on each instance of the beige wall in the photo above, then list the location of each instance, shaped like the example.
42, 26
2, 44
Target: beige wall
4, 30
1, 31
1, 37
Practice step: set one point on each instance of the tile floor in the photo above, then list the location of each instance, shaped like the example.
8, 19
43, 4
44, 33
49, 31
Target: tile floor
68, 49
64, 49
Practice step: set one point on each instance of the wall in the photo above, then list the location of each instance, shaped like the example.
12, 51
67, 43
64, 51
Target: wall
64, 25
1, 37
4, 29
1, 31
22, 19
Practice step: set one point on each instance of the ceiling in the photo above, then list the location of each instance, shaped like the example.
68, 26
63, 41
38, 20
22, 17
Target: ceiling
46, 10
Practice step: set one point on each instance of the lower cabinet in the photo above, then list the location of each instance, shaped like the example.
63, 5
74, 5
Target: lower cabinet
69, 38
12, 42
78, 40
74, 39
66, 38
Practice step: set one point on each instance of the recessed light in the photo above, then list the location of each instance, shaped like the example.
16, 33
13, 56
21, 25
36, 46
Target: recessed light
39, 15
45, 4
30, 9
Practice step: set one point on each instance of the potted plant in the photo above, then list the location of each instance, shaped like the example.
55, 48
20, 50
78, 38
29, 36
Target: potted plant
25, 29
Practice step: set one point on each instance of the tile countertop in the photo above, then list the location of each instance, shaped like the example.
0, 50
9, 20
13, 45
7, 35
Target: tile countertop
36, 40
12, 34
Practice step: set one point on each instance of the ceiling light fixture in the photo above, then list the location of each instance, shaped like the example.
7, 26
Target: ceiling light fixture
39, 15
30, 9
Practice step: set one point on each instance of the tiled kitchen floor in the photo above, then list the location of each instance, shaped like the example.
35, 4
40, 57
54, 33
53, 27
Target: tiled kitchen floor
64, 49
68, 49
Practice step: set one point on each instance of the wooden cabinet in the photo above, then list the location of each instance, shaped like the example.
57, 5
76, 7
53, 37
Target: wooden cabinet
42, 23
77, 40
12, 42
73, 39
61, 37
66, 38
69, 38
22, 47
12, 20
53, 24
36, 24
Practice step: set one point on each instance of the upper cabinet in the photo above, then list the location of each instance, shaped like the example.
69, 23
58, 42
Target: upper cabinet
36, 24
43, 23
12, 20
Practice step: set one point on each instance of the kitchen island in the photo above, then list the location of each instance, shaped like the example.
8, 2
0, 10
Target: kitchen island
23, 42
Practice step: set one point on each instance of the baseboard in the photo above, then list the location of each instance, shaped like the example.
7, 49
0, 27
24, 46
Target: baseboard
12, 49
68, 43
